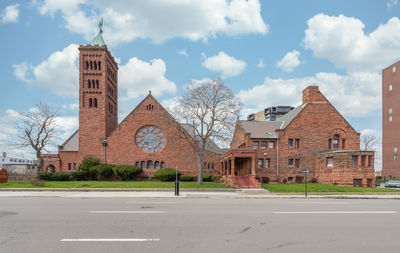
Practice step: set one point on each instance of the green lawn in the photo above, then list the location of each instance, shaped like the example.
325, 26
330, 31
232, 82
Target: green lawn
111, 184
294, 187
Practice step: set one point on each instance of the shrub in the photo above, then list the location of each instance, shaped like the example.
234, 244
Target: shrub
53, 176
284, 181
126, 172
79, 175
102, 170
186, 178
84, 172
88, 163
314, 180
265, 180
166, 174
46, 176
37, 182
208, 178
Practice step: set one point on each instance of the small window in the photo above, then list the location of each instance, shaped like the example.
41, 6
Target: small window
390, 118
297, 163
150, 164
255, 144
335, 141
97, 84
91, 65
297, 143
95, 102
390, 87
395, 157
329, 162
137, 164
157, 165
87, 65
354, 161
208, 166
363, 160
271, 144
290, 163
69, 166
204, 165
90, 102
75, 166
263, 144
143, 164
89, 84
390, 111
290, 143
99, 65
266, 163
369, 160
162, 165
212, 165
394, 69
260, 163
395, 149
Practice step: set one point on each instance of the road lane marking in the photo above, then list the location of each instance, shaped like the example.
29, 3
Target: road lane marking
137, 212
110, 240
326, 202
338, 212
150, 203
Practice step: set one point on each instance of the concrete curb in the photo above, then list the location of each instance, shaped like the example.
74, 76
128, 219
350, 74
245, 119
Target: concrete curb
117, 189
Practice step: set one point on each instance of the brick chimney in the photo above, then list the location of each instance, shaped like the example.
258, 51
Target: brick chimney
312, 94
4, 154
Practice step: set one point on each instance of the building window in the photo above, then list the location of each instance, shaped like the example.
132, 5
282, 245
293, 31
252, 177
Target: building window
390, 118
90, 102
255, 144
395, 157
290, 163
263, 144
212, 165
99, 65
271, 144
137, 164
157, 165
150, 164
89, 84
95, 102
143, 164
369, 160
329, 162
363, 162
329, 143
335, 141
97, 84
390, 87
75, 166
390, 111
297, 143
354, 161
208, 166
290, 143
69, 166
395, 149
394, 69
162, 165
266, 163
343, 143
260, 163
297, 163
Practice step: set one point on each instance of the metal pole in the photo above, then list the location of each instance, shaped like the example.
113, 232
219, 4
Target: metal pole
305, 175
176, 182
277, 160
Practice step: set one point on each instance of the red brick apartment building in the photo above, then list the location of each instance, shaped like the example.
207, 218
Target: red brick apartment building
391, 121
313, 136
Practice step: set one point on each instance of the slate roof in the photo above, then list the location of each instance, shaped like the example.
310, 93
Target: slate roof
72, 143
210, 145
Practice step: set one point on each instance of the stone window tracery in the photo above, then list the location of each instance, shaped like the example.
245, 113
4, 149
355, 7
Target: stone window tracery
150, 139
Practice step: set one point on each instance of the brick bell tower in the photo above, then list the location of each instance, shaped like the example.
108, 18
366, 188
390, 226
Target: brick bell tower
98, 96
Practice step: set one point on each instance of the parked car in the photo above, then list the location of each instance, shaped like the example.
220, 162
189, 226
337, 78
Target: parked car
393, 183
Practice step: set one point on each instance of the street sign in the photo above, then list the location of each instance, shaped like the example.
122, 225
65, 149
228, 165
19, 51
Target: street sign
305, 171
305, 180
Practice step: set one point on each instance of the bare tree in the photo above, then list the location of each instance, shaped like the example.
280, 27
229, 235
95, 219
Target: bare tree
36, 129
208, 109
369, 142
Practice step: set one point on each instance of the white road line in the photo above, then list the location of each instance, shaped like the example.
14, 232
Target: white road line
338, 212
333, 203
150, 203
110, 240
137, 212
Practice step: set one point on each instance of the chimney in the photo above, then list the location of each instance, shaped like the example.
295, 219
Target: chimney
4, 154
312, 94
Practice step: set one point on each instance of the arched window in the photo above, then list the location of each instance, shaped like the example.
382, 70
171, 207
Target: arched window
143, 164
91, 65
162, 165
156, 165
88, 84
335, 141
212, 165
97, 84
93, 86
90, 102
150, 164
95, 102
99, 65
208, 166
95, 65
137, 164
87, 65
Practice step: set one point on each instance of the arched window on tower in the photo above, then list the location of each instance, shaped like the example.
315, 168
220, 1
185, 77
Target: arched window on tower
150, 164
97, 84
90, 102
95, 65
93, 86
91, 65
335, 142
87, 65
99, 65
95, 102
88, 84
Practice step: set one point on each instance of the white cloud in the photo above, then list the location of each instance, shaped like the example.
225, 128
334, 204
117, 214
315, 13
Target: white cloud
261, 63
159, 20
10, 14
227, 65
182, 52
66, 123
354, 95
58, 73
342, 41
137, 77
391, 3
290, 61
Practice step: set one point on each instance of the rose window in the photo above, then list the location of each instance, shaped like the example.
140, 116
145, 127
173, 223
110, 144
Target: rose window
150, 139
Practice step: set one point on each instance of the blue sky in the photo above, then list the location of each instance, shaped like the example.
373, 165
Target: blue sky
265, 51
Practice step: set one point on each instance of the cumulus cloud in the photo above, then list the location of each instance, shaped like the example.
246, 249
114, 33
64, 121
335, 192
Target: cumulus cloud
391, 3
290, 61
261, 63
227, 65
182, 52
159, 20
58, 73
354, 95
342, 41
137, 77
10, 14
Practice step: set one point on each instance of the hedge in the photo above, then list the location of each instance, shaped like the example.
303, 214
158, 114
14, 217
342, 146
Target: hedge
102, 171
166, 174
208, 178
53, 176
186, 178
126, 172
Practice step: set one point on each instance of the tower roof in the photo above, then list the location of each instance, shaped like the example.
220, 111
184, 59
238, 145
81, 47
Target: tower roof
98, 40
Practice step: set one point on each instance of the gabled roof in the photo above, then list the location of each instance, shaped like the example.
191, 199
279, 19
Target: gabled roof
72, 143
210, 145
288, 117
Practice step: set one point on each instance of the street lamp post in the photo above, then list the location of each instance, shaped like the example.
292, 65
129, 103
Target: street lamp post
305, 180
176, 182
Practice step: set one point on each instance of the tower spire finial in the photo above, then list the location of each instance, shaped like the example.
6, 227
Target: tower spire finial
101, 26
98, 40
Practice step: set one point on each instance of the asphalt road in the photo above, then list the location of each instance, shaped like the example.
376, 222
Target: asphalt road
54, 224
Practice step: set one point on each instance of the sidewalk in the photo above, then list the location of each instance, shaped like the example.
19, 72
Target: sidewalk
184, 193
